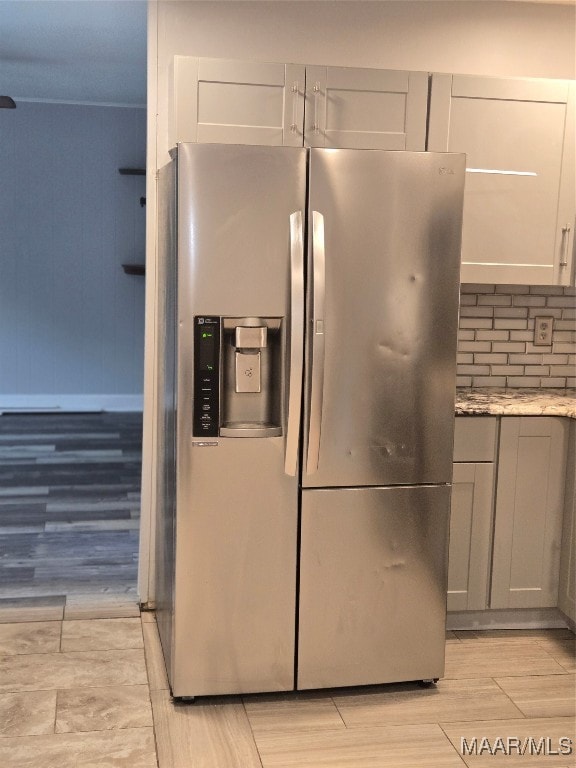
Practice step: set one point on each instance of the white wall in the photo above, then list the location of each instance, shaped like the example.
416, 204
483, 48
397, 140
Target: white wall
461, 36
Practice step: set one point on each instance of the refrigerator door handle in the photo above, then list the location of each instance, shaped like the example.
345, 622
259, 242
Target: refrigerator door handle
296, 341
317, 339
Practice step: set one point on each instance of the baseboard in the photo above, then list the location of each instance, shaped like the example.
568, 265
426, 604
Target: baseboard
69, 403
570, 623
521, 618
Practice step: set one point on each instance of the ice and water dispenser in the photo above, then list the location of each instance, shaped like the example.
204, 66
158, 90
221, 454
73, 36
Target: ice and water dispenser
237, 376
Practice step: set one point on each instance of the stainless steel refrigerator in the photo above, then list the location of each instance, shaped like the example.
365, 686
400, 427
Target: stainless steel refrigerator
308, 345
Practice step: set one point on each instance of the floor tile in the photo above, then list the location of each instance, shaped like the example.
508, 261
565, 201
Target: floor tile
542, 695
562, 649
27, 714
30, 637
23, 491
14, 528
101, 606
409, 746
510, 635
478, 658
292, 712
408, 703
533, 729
211, 735
24, 451
32, 609
89, 595
127, 748
93, 526
91, 506
71, 670
99, 709
101, 634
157, 677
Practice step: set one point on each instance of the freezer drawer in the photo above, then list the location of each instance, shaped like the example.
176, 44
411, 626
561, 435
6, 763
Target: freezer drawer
373, 574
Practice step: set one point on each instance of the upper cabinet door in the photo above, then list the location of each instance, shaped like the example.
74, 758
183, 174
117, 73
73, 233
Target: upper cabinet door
236, 102
518, 135
365, 108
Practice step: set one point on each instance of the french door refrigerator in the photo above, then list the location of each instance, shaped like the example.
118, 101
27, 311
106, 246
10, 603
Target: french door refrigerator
309, 305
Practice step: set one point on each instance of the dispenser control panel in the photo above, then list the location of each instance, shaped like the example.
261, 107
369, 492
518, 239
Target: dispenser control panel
206, 376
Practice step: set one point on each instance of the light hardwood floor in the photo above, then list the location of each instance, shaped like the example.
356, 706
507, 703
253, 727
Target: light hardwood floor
94, 694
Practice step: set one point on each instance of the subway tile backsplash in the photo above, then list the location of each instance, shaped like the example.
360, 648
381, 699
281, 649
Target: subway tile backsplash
496, 337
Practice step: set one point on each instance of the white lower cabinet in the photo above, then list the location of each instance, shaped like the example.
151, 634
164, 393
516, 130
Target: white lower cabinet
471, 514
470, 536
529, 512
512, 530
567, 585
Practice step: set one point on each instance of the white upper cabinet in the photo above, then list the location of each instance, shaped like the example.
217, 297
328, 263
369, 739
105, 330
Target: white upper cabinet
518, 135
250, 102
236, 102
365, 108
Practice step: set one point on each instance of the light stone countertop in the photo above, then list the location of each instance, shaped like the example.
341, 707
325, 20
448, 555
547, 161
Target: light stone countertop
516, 402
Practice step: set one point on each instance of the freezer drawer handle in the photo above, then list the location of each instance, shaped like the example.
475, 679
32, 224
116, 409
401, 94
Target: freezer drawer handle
296, 341
317, 337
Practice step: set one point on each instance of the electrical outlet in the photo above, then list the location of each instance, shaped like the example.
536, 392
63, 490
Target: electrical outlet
543, 330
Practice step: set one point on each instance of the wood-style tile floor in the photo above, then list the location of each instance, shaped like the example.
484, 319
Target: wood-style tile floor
94, 694
79, 692
69, 512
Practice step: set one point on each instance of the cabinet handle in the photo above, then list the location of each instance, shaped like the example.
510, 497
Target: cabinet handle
564, 245
315, 125
294, 126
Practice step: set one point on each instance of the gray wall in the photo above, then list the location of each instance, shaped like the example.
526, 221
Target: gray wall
71, 321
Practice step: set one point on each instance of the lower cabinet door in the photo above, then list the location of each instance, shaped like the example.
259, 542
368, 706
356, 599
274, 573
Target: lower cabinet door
373, 573
529, 510
470, 536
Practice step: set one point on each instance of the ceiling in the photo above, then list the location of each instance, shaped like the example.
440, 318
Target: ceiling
90, 51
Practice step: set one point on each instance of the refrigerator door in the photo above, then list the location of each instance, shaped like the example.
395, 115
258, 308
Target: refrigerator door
384, 244
372, 585
237, 497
